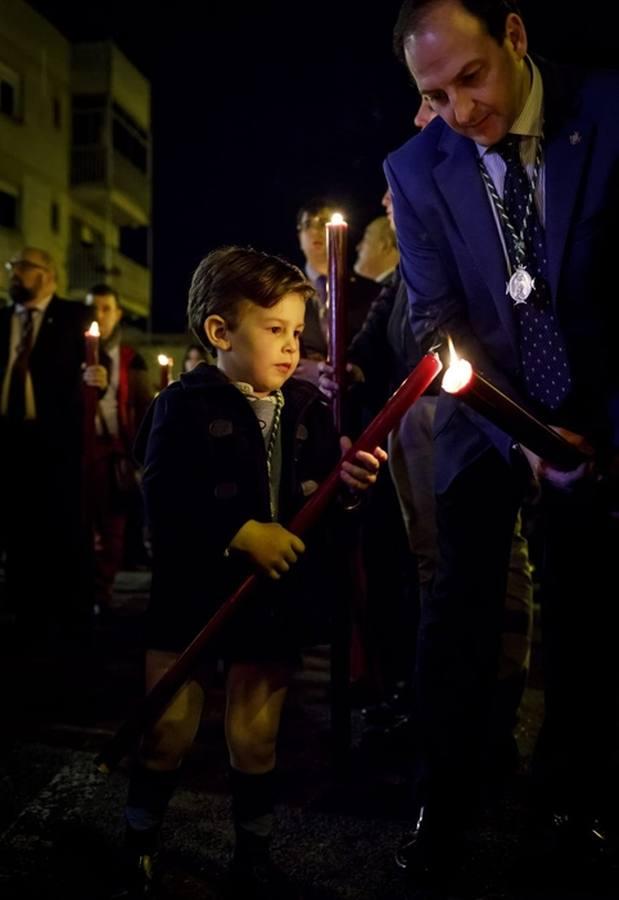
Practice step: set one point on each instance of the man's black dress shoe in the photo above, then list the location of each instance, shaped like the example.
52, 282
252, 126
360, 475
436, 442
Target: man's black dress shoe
574, 831
427, 851
566, 840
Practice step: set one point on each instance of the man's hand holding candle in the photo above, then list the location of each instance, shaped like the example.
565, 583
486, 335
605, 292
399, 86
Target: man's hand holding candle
560, 478
96, 377
327, 383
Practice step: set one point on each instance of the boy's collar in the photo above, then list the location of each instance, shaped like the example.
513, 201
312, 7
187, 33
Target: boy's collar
248, 391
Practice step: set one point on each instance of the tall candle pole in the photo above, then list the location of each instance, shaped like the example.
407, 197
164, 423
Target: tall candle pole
337, 285
91, 355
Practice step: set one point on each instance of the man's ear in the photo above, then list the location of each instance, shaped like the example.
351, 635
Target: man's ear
217, 332
516, 34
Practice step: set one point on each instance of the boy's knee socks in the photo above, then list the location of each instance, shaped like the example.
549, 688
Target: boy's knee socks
252, 808
147, 801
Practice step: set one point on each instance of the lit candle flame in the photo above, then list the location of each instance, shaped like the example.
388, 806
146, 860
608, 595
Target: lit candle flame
93, 331
453, 355
458, 373
163, 359
337, 219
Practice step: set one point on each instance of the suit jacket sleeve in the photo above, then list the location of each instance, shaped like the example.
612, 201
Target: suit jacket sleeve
437, 309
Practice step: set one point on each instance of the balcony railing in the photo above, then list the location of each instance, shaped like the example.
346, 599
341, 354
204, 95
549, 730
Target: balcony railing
89, 266
89, 165
97, 166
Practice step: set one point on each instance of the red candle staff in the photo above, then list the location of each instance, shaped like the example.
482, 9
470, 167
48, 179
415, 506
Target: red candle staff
91, 396
337, 284
165, 370
462, 381
151, 707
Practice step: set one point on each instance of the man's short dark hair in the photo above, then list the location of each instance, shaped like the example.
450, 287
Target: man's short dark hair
492, 13
230, 275
314, 206
102, 290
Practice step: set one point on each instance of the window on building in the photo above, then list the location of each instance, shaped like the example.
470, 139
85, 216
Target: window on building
88, 119
8, 209
10, 92
87, 127
129, 139
54, 217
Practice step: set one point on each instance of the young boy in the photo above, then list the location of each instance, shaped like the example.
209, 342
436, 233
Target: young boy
229, 451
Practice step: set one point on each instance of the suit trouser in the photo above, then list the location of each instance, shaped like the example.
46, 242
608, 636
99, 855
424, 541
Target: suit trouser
459, 637
460, 630
411, 458
575, 762
46, 539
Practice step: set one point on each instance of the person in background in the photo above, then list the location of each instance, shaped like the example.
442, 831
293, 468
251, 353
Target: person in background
312, 220
119, 412
44, 532
194, 354
377, 251
381, 355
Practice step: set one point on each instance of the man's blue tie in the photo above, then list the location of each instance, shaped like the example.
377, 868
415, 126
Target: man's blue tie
543, 354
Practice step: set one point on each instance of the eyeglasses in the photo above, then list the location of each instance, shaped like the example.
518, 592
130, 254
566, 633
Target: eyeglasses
308, 222
24, 264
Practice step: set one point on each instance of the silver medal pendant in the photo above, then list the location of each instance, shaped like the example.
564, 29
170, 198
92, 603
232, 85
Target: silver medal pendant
520, 285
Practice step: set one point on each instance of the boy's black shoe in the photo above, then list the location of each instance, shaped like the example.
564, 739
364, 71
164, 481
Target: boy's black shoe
255, 877
140, 879
141, 873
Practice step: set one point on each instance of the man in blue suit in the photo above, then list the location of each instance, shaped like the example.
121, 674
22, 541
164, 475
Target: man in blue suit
507, 215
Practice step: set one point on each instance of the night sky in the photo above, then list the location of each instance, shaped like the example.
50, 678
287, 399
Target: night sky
258, 106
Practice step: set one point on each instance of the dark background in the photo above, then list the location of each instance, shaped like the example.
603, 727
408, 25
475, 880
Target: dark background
257, 107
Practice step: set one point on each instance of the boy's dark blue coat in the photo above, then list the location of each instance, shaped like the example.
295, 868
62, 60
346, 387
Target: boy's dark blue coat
204, 476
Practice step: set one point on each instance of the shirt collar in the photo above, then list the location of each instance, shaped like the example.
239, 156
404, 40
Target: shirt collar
248, 391
380, 279
312, 273
529, 122
39, 307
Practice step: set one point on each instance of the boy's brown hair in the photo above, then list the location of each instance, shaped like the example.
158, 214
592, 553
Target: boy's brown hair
230, 275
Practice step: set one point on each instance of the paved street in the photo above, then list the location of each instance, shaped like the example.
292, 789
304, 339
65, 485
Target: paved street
61, 824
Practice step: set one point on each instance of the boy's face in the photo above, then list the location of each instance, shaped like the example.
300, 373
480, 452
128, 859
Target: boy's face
263, 349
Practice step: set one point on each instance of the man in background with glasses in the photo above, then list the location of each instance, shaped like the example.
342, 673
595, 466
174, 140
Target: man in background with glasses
45, 539
312, 220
